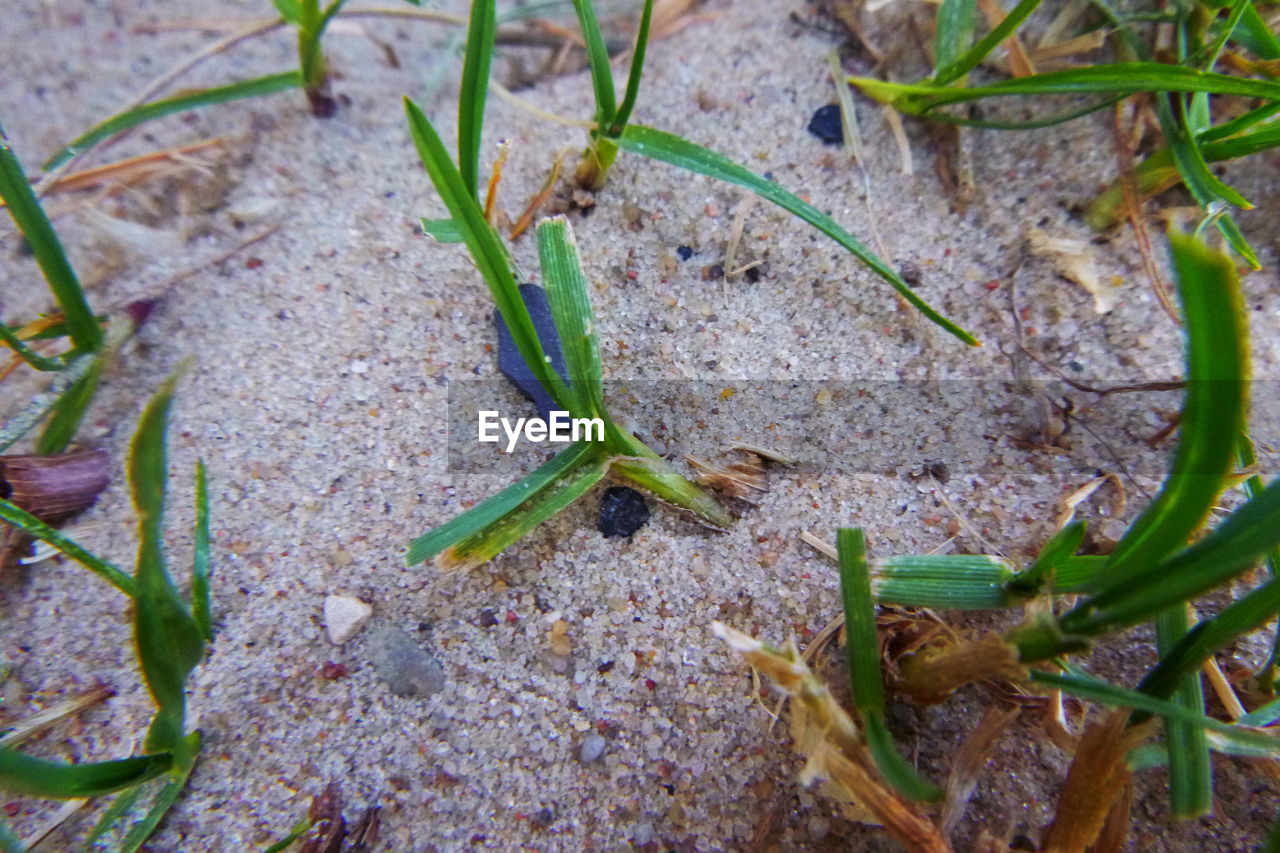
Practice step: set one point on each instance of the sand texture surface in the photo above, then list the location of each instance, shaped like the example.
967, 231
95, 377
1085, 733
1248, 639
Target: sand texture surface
570, 695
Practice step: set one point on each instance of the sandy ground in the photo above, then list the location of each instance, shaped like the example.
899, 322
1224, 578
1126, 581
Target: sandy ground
323, 361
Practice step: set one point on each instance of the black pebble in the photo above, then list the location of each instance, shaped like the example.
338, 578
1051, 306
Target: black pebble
623, 511
826, 125
684, 253
511, 363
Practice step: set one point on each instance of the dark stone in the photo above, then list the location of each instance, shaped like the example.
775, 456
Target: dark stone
511, 363
826, 125
684, 253
623, 511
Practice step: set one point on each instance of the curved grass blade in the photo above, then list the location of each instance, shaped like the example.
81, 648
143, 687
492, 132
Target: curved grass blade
623, 115
200, 563
36, 777
184, 762
27, 354
598, 56
488, 513
254, 88
170, 642
68, 412
1052, 557
29, 216
672, 149
481, 32
122, 828
652, 473
1212, 413
865, 678
955, 23
44, 402
988, 43
1254, 34
487, 251
37, 529
1116, 79
571, 310
1109, 694
1190, 770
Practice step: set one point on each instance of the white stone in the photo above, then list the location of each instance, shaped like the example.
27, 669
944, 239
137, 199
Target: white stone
344, 617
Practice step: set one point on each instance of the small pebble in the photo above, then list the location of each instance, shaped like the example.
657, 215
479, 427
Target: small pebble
825, 125
344, 617
623, 511
592, 748
511, 363
684, 253
404, 665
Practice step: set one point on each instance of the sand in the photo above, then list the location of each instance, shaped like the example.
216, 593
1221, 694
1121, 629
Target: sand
323, 358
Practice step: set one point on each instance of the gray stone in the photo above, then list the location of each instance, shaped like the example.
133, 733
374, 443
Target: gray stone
592, 748
406, 667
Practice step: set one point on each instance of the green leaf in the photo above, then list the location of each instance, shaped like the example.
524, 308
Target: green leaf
290, 10
27, 354
598, 56
12, 431
68, 412
254, 88
170, 642
481, 32
1190, 770
943, 581
865, 678
970, 59
442, 230
487, 250
1264, 716
672, 149
623, 114
1053, 556
298, 830
509, 500
200, 563
954, 34
35, 777
29, 216
37, 529
571, 310
184, 762
653, 474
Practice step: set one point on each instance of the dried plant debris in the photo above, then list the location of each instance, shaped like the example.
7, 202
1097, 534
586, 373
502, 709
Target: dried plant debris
746, 480
1074, 260
830, 741
51, 486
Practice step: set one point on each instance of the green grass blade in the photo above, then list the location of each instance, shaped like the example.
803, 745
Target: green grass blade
201, 600
485, 544
488, 513
298, 830
184, 761
943, 581
1234, 546
122, 828
1213, 410
1254, 34
290, 10
865, 678
971, 57
1190, 771
487, 251
1253, 486
1264, 716
623, 114
121, 806
571, 310
27, 354
1117, 79
10, 842
254, 88
442, 230
29, 216
654, 474
169, 640
12, 431
1055, 553
37, 529
35, 777
68, 412
1109, 694
598, 56
954, 34
672, 149
481, 32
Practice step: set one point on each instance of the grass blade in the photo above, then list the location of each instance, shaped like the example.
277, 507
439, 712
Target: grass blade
442, 230
37, 529
571, 310
954, 34
45, 401
970, 59
254, 88
185, 762
1212, 413
35, 777
1190, 771
481, 32
169, 640
623, 114
29, 216
487, 251
27, 354
68, 412
865, 678
672, 149
598, 56
652, 473
489, 512
1052, 557
200, 597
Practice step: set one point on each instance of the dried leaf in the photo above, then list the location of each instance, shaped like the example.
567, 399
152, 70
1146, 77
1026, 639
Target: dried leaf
937, 669
1074, 260
970, 760
54, 486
